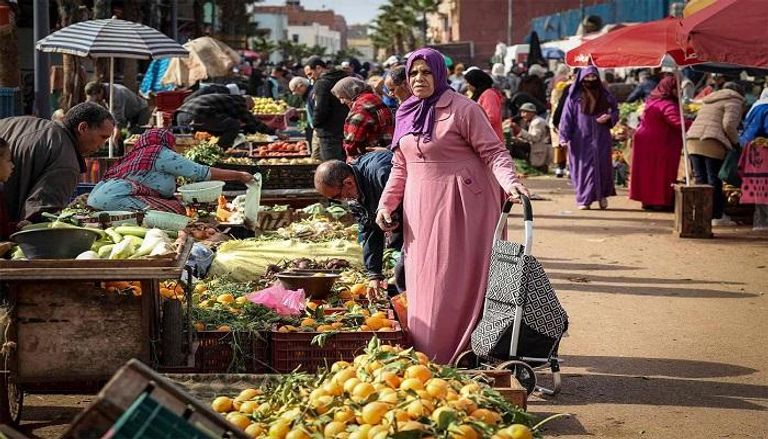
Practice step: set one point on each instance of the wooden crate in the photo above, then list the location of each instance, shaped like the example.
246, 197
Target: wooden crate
693, 211
129, 383
76, 330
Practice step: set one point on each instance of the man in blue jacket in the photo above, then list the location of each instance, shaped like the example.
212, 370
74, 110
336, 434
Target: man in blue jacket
360, 185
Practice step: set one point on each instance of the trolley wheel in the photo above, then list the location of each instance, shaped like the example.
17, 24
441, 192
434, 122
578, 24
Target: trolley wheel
467, 360
11, 400
522, 372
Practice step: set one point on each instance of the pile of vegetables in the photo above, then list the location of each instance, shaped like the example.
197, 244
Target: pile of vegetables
131, 242
220, 304
331, 212
627, 108
317, 230
352, 318
387, 392
206, 153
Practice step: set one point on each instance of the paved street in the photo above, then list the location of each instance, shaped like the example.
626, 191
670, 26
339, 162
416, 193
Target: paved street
667, 336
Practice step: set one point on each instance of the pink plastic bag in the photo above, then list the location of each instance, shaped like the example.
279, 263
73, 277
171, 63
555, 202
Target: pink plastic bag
279, 299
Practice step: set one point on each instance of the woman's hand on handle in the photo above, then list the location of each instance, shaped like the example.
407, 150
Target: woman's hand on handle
517, 190
384, 221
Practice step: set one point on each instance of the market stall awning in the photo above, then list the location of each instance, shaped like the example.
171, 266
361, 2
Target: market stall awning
729, 31
639, 45
208, 58
111, 38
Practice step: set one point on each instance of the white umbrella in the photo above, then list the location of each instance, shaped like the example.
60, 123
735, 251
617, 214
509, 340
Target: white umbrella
111, 38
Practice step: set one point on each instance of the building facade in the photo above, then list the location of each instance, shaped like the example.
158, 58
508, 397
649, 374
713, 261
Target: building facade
309, 25
316, 34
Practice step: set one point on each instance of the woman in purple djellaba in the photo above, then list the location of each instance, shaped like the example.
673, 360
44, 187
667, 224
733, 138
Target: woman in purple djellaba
585, 126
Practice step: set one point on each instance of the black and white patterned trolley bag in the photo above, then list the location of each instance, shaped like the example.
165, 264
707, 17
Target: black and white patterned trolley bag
521, 316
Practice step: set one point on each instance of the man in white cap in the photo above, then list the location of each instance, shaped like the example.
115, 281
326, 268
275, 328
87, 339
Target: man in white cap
534, 130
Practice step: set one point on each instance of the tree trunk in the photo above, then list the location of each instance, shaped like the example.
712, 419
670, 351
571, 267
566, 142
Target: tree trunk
197, 8
10, 73
69, 13
102, 9
131, 12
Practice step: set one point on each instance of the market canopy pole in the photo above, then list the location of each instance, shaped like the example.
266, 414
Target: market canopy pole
42, 26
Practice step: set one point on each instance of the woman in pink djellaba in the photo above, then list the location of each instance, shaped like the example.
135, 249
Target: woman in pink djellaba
451, 172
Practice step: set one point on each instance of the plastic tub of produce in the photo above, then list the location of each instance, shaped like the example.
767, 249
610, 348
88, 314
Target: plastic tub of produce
55, 243
202, 192
315, 285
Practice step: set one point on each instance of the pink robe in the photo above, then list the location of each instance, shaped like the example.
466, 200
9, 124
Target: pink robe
656, 152
451, 199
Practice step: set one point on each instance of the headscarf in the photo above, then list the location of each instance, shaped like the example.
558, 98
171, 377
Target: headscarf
592, 102
763, 100
497, 69
537, 70
666, 90
480, 80
349, 88
144, 154
417, 116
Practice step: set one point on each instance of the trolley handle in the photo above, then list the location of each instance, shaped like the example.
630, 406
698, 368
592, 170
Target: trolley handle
527, 222
527, 208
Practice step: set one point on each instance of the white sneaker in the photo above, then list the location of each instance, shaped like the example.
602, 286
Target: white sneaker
559, 173
725, 221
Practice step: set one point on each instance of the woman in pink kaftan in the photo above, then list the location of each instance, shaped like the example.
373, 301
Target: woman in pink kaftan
450, 171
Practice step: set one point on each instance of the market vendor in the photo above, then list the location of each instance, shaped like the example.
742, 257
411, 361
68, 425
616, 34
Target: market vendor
222, 115
6, 169
146, 177
49, 158
360, 184
128, 108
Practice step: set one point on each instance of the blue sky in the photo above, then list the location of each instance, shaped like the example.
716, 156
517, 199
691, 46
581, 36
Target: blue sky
354, 11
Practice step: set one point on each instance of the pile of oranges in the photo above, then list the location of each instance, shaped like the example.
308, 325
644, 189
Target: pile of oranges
353, 317
387, 392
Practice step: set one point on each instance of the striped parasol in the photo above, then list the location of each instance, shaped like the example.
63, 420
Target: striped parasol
111, 38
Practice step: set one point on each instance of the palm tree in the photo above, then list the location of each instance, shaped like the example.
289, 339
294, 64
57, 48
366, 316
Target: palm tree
424, 7
10, 74
263, 46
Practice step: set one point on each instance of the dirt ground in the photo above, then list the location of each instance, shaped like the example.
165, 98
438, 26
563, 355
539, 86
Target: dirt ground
667, 336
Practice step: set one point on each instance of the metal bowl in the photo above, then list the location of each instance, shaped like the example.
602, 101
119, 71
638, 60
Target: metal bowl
314, 285
58, 243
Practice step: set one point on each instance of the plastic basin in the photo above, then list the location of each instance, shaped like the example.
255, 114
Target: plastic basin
315, 286
59, 243
202, 192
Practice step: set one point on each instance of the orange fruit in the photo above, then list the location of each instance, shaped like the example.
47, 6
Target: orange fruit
419, 372
332, 429
362, 391
239, 420
411, 384
464, 432
487, 416
255, 430
358, 289
374, 412
519, 431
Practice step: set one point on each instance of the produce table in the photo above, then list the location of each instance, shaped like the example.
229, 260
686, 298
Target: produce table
66, 333
295, 198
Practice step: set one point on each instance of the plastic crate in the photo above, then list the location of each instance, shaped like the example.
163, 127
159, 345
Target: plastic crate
294, 350
146, 418
289, 176
170, 101
228, 352
10, 102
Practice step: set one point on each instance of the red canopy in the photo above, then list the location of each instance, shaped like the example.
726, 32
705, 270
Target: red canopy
639, 45
729, 31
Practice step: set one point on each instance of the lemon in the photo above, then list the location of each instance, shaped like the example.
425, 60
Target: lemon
519, 431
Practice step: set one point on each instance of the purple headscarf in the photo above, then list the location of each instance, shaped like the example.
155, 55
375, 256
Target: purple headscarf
417, 116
